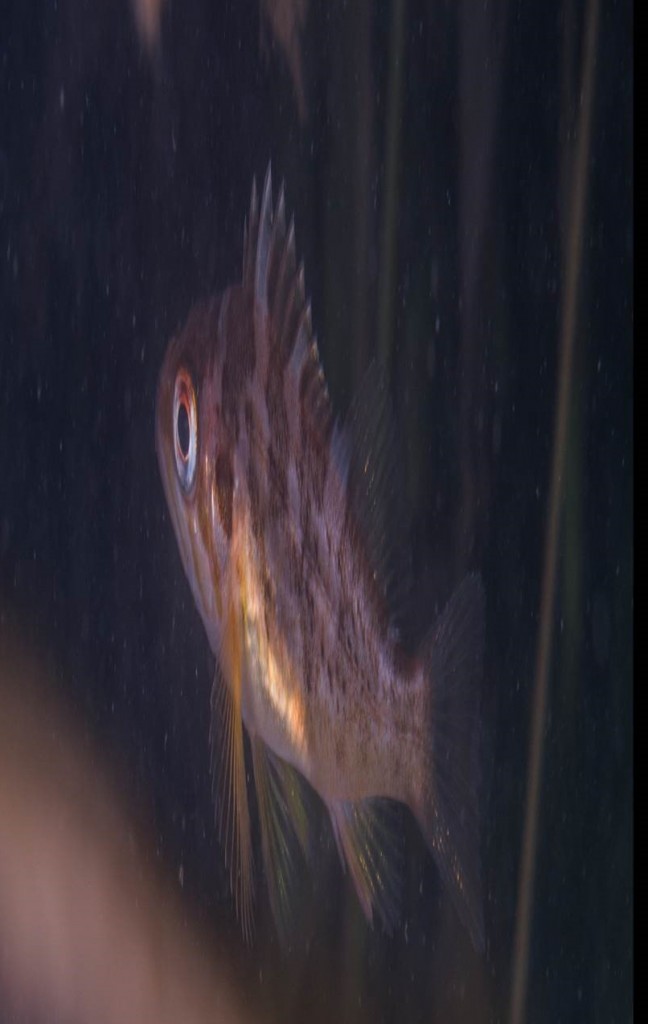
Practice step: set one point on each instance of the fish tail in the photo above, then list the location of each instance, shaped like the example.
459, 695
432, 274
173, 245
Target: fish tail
447, 802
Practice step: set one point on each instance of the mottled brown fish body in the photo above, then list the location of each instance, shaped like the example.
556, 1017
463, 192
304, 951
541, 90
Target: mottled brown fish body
278, 515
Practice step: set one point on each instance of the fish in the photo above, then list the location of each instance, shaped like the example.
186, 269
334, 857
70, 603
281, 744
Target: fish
287, 522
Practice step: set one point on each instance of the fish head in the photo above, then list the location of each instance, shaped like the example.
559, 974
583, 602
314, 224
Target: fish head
195, 452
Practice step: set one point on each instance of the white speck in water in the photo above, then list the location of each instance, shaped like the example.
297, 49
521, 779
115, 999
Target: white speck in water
497, 435
431, 359
62, 98
181, 876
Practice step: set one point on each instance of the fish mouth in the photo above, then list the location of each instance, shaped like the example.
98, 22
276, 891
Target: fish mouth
165, 458
164, 442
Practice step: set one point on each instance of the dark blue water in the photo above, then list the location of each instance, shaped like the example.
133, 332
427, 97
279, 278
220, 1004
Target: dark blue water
432, 184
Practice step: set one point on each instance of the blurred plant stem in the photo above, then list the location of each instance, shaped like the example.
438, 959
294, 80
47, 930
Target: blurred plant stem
482, 33
387, 285
578, 194
348, 214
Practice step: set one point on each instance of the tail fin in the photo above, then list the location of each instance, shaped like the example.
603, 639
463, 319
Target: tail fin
447, 806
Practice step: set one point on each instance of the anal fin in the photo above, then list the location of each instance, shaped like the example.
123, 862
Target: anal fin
284, 820
367, 834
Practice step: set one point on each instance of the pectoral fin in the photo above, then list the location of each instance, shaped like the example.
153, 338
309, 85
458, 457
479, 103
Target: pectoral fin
228, 778
368, 840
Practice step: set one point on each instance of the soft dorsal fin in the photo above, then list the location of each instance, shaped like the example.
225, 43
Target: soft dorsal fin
368, 837
376, 492
447, 806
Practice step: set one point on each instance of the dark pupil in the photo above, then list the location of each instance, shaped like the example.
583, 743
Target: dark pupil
183, 430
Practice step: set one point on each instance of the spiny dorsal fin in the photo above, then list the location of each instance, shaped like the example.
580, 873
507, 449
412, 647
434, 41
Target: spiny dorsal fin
250, 236
229, 786
368, 837
284, 819
286, 268
264, 240
270, 269
377, 493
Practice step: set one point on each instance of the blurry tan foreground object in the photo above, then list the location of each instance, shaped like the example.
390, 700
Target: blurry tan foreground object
89, 929
148, 17
286, 19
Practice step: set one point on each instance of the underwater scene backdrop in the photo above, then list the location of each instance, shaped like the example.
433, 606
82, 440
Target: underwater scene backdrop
461, 178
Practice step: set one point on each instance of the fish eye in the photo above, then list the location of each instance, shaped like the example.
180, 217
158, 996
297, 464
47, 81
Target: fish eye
185, 430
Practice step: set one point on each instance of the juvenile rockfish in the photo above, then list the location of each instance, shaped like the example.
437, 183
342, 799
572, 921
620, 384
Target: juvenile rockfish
281, 518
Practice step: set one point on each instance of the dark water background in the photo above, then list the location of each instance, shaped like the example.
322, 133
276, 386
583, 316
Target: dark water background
124, 180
